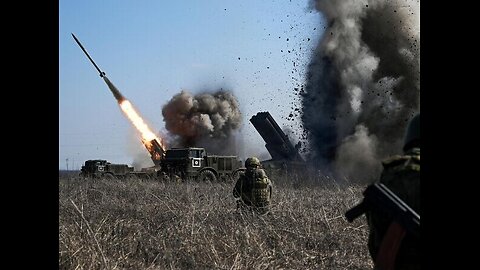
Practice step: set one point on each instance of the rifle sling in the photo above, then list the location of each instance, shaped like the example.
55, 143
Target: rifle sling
391, 242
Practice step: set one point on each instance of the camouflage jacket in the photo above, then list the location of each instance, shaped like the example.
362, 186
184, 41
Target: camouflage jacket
253, 188
401, 174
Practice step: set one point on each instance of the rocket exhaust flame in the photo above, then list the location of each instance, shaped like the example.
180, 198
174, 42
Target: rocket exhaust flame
154, 145
137, 121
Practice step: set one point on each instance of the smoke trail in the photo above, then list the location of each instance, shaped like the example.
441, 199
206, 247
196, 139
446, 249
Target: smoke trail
204, 120
362, 82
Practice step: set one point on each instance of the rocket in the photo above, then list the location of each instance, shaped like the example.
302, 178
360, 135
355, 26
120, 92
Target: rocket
116, 93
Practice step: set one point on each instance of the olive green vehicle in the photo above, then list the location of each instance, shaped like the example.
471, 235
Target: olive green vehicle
195, 164
192, 164
99, 168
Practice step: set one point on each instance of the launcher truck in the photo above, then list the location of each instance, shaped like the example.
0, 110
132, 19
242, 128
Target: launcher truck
285, 156
193, 163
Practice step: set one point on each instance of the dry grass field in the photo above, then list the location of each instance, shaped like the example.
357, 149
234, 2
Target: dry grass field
119, 224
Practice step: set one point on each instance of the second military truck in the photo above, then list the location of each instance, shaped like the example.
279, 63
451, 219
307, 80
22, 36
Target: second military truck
98, 168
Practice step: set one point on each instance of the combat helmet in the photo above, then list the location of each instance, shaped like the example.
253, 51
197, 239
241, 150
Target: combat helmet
252, 162
412, 135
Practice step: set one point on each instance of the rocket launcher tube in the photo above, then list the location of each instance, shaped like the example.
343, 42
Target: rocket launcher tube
157, 153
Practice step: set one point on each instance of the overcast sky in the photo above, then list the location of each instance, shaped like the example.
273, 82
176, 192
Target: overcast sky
151, 50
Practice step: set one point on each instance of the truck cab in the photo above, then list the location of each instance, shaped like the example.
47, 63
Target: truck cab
183, 161
93, 167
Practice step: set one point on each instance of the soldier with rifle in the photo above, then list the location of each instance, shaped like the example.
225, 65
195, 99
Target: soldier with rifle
392, 207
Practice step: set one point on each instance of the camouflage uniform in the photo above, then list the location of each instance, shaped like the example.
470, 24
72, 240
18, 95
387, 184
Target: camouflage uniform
253, 189
401, 174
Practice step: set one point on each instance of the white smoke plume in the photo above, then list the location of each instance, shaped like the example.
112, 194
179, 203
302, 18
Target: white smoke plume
207, 120
141, 158
356, 159
363, 80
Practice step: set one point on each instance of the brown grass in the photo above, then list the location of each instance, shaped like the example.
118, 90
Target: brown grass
115, 224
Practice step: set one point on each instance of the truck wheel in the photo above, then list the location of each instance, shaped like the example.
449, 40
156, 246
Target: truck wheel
207, 175
132, 177
109, 176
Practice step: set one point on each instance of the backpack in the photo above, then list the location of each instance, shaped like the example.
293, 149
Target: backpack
260, 189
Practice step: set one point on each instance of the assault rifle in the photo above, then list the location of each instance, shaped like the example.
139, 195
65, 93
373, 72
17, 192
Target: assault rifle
378, 197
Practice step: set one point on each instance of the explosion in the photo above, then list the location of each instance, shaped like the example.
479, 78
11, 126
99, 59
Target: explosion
363, 84
207, 120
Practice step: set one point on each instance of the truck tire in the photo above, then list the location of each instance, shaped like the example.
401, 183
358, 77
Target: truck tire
207, 175
132, 177
109, 176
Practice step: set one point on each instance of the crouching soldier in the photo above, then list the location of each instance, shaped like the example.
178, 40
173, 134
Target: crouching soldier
253, 190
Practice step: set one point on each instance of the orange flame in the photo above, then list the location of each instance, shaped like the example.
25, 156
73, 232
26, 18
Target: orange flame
147, 134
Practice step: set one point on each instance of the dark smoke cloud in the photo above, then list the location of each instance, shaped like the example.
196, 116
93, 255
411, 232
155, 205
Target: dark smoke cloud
362, 83
205, 120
